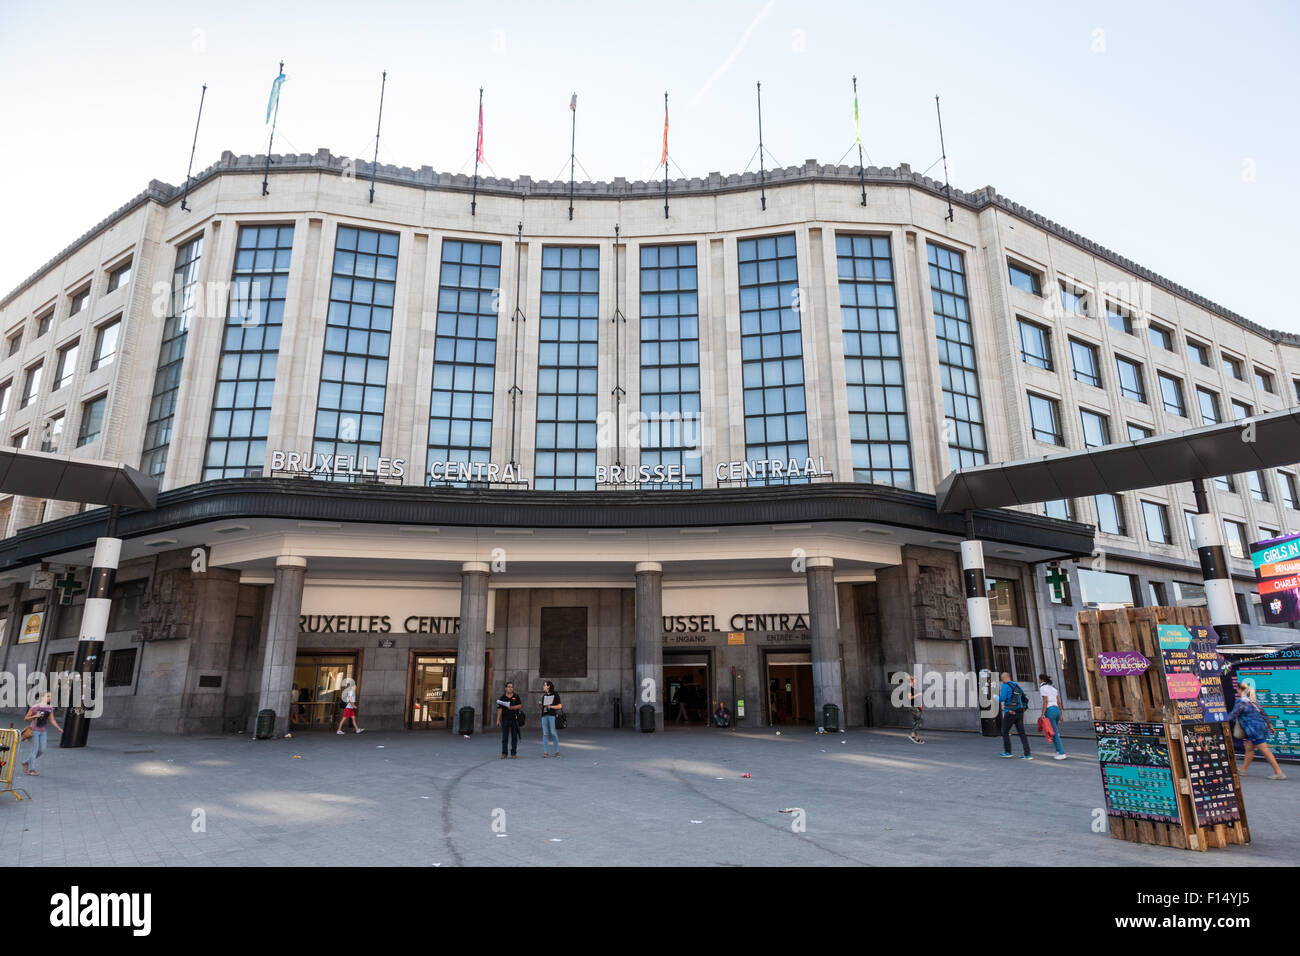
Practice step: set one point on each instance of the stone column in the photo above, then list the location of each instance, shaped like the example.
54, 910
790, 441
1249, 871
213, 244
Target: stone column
282, 640
472, 643
649, 661
827, 687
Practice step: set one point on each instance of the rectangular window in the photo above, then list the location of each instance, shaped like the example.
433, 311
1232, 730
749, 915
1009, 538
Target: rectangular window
1025, 279
44, 322
1035, 345
1236, 539
60, 663
1268, 534
1045, 419
1105, 587
106, 344
1002, 656
1258, 486
1161, 337
52, 434
241, 407
1003, 607
127, 596
1119, 318
185, 294
1171, 393
1062, 508
15, 342
563, 650
771, 350
65, 370
1232, 366
1138, 432
92, 420
1156, 592
1198, 353
1073, 299
1072, 668
1156, 518
1131, 384
1226, 483
1264, 380
6, 391
1110, 514
31, 384
1209, 403
566, 369
1241, 410
120, 668
1096, 429
79, 301
670, 358
1290, 491
354, 364
1024, 663
464, 354
19, 440
873, 362
959, 376
1190, 518
1189, 594
1084, 358
119, 277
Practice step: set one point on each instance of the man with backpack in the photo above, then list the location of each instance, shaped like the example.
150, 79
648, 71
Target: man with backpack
1014, 703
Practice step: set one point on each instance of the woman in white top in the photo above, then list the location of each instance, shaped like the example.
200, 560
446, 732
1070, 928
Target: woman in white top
349, 705
1052, 711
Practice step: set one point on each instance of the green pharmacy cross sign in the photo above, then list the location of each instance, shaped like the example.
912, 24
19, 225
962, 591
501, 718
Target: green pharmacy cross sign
1058, 579
68, 586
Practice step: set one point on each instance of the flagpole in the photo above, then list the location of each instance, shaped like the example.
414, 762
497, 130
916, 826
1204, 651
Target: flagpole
202, 96
944, 153
478, 151
857, 129
665, 154
383, 83
266, 174
762, 188
573, 140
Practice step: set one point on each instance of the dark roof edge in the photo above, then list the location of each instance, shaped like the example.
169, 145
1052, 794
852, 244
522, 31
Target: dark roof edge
304, 499
525, 186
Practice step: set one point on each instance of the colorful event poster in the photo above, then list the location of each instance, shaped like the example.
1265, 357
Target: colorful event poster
1209, 774
1277, 576
1276, 679
1136, 776
1193, 672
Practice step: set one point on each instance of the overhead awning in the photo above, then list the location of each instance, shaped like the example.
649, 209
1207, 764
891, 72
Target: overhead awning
1248, 444
38, 474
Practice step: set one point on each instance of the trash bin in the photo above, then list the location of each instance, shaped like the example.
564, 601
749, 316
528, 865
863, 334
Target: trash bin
265, 725
465, 720
830, 718
646, 718
618, 712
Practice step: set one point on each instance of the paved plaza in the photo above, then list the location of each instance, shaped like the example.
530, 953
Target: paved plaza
870, 797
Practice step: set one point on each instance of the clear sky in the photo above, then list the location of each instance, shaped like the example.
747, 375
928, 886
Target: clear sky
1164, 131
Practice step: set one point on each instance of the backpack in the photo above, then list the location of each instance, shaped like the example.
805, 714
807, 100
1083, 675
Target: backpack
1019, 701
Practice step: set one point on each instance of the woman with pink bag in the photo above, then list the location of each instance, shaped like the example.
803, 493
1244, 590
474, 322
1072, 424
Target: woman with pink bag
1049, 722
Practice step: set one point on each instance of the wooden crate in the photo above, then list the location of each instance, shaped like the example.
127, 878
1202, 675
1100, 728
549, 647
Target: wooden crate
1145, 699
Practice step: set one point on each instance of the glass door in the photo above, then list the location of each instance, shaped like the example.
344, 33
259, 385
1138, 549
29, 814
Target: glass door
432, 691
318, 689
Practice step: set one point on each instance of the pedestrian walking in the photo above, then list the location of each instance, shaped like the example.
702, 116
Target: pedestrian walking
349, 705
508, 707
38, 717
1052, 711
1255, 728
918, 712
1014, 704
551, 708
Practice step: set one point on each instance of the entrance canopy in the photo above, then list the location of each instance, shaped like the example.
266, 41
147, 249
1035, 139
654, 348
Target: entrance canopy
1249, 444
37, 474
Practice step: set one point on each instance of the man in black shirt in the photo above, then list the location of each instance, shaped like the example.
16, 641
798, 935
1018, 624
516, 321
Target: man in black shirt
508, 707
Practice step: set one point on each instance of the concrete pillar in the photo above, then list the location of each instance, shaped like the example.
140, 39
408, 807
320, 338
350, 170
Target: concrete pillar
282, 640
472, 643
1220, 599
824, 625
981, 625
649, 663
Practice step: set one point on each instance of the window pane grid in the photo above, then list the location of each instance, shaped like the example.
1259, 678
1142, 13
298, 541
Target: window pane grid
241, 409
961, 394
464, 358
171, 354
566, 369
670, 359
873, 359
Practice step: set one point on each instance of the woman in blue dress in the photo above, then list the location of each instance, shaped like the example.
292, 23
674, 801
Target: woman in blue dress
1254, 725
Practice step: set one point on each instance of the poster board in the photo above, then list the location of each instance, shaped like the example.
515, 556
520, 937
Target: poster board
1276, 679
1136, 776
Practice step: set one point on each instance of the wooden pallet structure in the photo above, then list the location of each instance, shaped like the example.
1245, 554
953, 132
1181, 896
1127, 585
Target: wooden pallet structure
1144, 698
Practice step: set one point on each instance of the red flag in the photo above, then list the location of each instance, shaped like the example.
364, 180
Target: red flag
663, 160
573, 103
479, 155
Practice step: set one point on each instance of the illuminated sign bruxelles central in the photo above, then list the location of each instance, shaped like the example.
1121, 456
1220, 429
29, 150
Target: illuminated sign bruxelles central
322, 464
488, 471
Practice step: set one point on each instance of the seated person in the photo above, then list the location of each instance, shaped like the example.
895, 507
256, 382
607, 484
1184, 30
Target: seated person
721, 716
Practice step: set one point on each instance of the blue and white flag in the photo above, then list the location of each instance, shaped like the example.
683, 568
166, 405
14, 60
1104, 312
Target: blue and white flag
274, 101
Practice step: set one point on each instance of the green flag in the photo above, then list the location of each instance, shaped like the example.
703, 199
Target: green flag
857, 128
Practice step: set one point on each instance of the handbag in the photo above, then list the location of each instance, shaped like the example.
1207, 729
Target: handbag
26, 734
1045, 728
1237, 732
561, 720
520, 717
